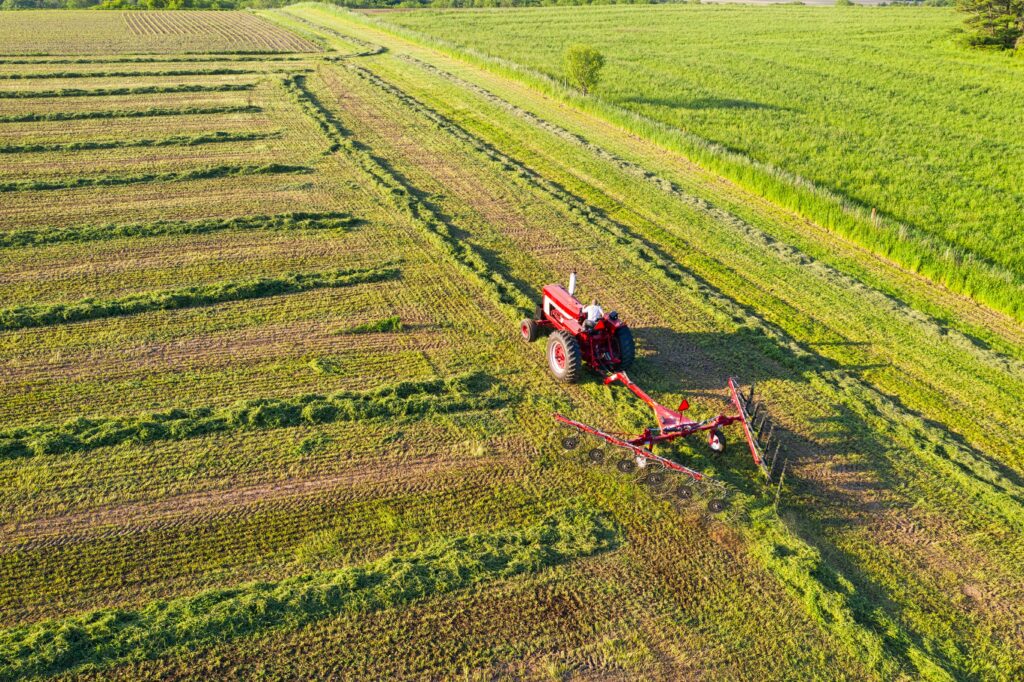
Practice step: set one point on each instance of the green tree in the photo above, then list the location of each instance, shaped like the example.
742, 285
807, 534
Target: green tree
583, 66
995, 22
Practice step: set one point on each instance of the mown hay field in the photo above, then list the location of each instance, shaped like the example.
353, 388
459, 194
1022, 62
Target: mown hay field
265, 410
883, 110
83, 32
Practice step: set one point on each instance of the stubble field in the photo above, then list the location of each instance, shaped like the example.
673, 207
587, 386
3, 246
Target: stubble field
265, 411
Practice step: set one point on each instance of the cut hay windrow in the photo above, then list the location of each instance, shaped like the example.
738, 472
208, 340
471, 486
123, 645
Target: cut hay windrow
129, 113
88, 233
138, 59
138, 90
27, 316
436, 567
461, 393
224, 171
173, 141
501, 289
141, 74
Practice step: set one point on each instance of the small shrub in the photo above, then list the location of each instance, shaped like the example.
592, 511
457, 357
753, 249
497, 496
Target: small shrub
583, 66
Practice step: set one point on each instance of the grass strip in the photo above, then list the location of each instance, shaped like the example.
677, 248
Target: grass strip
173, 141
129, 113
436, 567
223, 171
140, 90
23, 317
160, 228
405, 197
461, 393
134, 74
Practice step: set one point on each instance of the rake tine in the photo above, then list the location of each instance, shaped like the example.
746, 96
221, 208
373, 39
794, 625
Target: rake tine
750, 398
753, 415
760, 427
768, 436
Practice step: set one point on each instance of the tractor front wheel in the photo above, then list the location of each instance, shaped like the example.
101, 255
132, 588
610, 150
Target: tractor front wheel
627, 347
564, 358
528, 328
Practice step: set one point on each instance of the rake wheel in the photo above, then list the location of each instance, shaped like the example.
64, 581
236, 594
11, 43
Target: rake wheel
715, 506
570, 442
596, 456
626, 466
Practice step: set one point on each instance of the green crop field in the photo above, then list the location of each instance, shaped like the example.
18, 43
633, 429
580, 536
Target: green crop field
266, 411
878, 108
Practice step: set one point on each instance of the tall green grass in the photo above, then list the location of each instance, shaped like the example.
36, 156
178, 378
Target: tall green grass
437, 567
41, 315
88, 233
222, 171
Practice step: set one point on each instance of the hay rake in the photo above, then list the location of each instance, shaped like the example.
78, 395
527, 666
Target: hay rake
758, 431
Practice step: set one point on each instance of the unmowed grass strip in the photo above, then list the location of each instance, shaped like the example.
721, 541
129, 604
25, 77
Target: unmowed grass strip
172, 141
138, 74
222, 171
501, 289
437, 567
462, 393
89, 233
129, 113
27, 316
139, 90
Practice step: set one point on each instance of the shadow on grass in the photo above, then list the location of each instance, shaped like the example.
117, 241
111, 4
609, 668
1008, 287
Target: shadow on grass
705, 103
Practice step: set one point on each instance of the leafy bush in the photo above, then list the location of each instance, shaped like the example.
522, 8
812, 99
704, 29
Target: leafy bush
583, 66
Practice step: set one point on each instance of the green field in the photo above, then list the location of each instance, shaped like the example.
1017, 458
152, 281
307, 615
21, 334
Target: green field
266, 412
881, 106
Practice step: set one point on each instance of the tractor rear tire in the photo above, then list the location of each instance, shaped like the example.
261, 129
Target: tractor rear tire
528, 328
627, 347
564, 358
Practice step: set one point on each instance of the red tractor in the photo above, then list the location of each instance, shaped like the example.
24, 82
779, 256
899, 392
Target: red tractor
579, 334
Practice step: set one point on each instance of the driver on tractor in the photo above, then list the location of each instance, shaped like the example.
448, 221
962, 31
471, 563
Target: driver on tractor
592, 313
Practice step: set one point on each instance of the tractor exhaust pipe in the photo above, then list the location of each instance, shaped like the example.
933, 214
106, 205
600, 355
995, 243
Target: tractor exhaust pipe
572, 283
